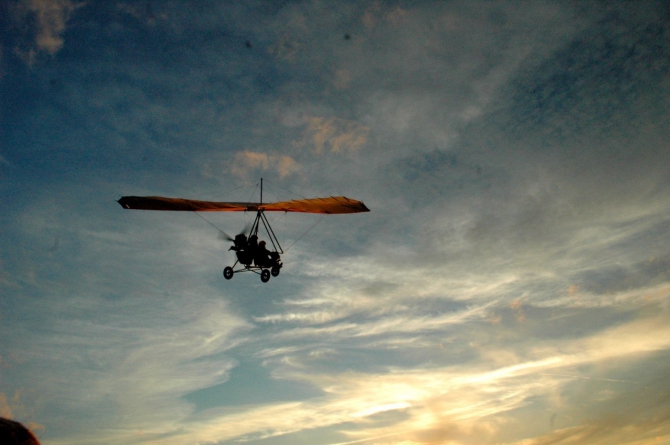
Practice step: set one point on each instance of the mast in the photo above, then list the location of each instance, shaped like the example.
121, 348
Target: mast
261, 218
254, 226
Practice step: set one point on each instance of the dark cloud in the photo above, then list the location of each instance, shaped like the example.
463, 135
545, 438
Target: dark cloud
601, 83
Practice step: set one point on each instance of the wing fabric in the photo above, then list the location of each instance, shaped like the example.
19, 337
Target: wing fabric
331, 205
184, 205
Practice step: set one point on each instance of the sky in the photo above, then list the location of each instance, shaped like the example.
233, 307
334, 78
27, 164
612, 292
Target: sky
510, 285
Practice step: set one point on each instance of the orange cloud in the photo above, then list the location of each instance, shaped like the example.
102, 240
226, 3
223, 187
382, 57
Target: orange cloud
246, 162
516, 306
287, 166
5, 408
334, 135
573, 290
49, 18
14, 405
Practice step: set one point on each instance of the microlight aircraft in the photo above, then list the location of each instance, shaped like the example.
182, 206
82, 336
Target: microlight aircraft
252, 256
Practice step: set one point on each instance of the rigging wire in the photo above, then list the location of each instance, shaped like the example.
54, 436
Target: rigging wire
269, 190
246, 184
274, 219
208, 222
306, 232
254, 192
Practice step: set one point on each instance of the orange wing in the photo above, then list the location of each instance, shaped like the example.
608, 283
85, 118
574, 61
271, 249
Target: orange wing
330, 205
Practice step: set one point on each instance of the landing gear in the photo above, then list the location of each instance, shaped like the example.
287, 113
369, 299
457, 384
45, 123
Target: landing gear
228, 273
265, 271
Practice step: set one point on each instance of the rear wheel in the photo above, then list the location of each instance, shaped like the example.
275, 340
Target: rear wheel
228, 273
265, 276
275, 271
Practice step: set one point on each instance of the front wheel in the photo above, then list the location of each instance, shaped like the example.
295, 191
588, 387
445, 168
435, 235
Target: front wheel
275, 271
265, 276
228, 273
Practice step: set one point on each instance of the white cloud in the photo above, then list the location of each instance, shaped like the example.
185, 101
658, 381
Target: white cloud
462, 396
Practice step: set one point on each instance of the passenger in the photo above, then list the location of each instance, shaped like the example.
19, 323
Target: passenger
262, 255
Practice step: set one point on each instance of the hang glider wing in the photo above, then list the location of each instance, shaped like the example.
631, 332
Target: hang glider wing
331, 205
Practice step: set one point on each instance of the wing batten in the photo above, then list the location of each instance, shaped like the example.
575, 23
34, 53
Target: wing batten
330, 205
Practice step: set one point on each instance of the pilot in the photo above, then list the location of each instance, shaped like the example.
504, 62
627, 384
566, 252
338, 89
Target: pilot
240, 242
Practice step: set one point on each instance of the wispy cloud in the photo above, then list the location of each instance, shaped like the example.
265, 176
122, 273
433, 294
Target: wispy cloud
48, 20
433, 401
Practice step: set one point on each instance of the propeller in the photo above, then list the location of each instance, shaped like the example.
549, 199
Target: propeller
225, 237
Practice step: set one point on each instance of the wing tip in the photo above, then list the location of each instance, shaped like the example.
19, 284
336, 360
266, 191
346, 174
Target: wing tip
123, 202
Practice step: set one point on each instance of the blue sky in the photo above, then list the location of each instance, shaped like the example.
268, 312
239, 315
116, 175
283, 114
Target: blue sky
510, 285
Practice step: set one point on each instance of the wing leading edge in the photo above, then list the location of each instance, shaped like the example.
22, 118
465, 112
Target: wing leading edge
330, 205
